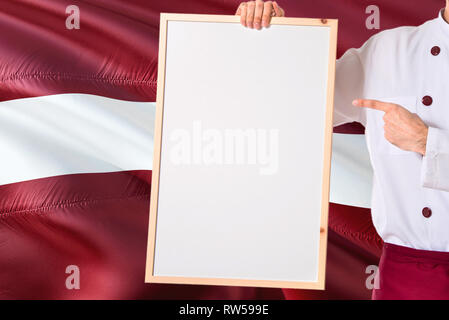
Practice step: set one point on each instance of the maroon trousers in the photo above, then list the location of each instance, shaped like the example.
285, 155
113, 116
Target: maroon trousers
406, 273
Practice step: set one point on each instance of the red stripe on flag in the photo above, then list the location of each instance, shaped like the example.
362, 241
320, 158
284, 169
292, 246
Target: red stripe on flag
99, 222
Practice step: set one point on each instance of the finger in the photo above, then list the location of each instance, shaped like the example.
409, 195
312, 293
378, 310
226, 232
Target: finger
389, 118
395, 128
387, 136
250, 14
277, 10
267, 10
373, 104
390, 134
258, 14
243, 9
282, 12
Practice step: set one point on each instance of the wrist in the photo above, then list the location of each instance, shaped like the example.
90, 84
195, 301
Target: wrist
422, 141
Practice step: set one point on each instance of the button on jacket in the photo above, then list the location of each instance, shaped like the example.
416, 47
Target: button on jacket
408, 66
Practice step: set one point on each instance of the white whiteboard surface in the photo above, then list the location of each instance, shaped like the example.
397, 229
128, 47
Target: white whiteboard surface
242, 152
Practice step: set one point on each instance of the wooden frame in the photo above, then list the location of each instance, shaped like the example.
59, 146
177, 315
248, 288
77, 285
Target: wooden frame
320, 284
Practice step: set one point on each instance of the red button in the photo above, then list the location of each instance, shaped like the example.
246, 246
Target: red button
427, 100
426, 212
435, 50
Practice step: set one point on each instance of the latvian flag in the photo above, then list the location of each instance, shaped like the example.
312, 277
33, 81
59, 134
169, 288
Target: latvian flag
77, 91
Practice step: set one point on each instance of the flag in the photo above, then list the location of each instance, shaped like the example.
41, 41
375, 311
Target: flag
76, 141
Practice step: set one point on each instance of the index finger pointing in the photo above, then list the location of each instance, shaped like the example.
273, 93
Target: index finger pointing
373, 104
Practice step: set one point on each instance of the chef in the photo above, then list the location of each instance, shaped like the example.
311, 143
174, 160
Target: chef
396, 86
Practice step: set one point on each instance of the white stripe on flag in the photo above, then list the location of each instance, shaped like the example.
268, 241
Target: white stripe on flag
80, 133
73, 133
351, 172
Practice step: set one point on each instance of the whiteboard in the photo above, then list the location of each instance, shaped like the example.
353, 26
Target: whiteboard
243, 131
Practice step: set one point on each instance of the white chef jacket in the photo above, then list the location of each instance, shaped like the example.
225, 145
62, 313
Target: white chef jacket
408, 66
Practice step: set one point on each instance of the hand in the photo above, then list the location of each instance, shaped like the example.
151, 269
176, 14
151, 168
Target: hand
402, 128
257, 14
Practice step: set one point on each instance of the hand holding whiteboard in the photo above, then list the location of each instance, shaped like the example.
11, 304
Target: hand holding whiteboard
243, 134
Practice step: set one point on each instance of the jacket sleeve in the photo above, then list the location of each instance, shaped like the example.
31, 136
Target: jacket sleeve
350, 83
435, 164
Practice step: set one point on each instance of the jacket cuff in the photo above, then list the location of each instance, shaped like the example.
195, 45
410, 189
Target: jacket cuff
435, 164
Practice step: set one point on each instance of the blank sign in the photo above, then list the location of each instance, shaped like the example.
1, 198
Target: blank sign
243, 134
